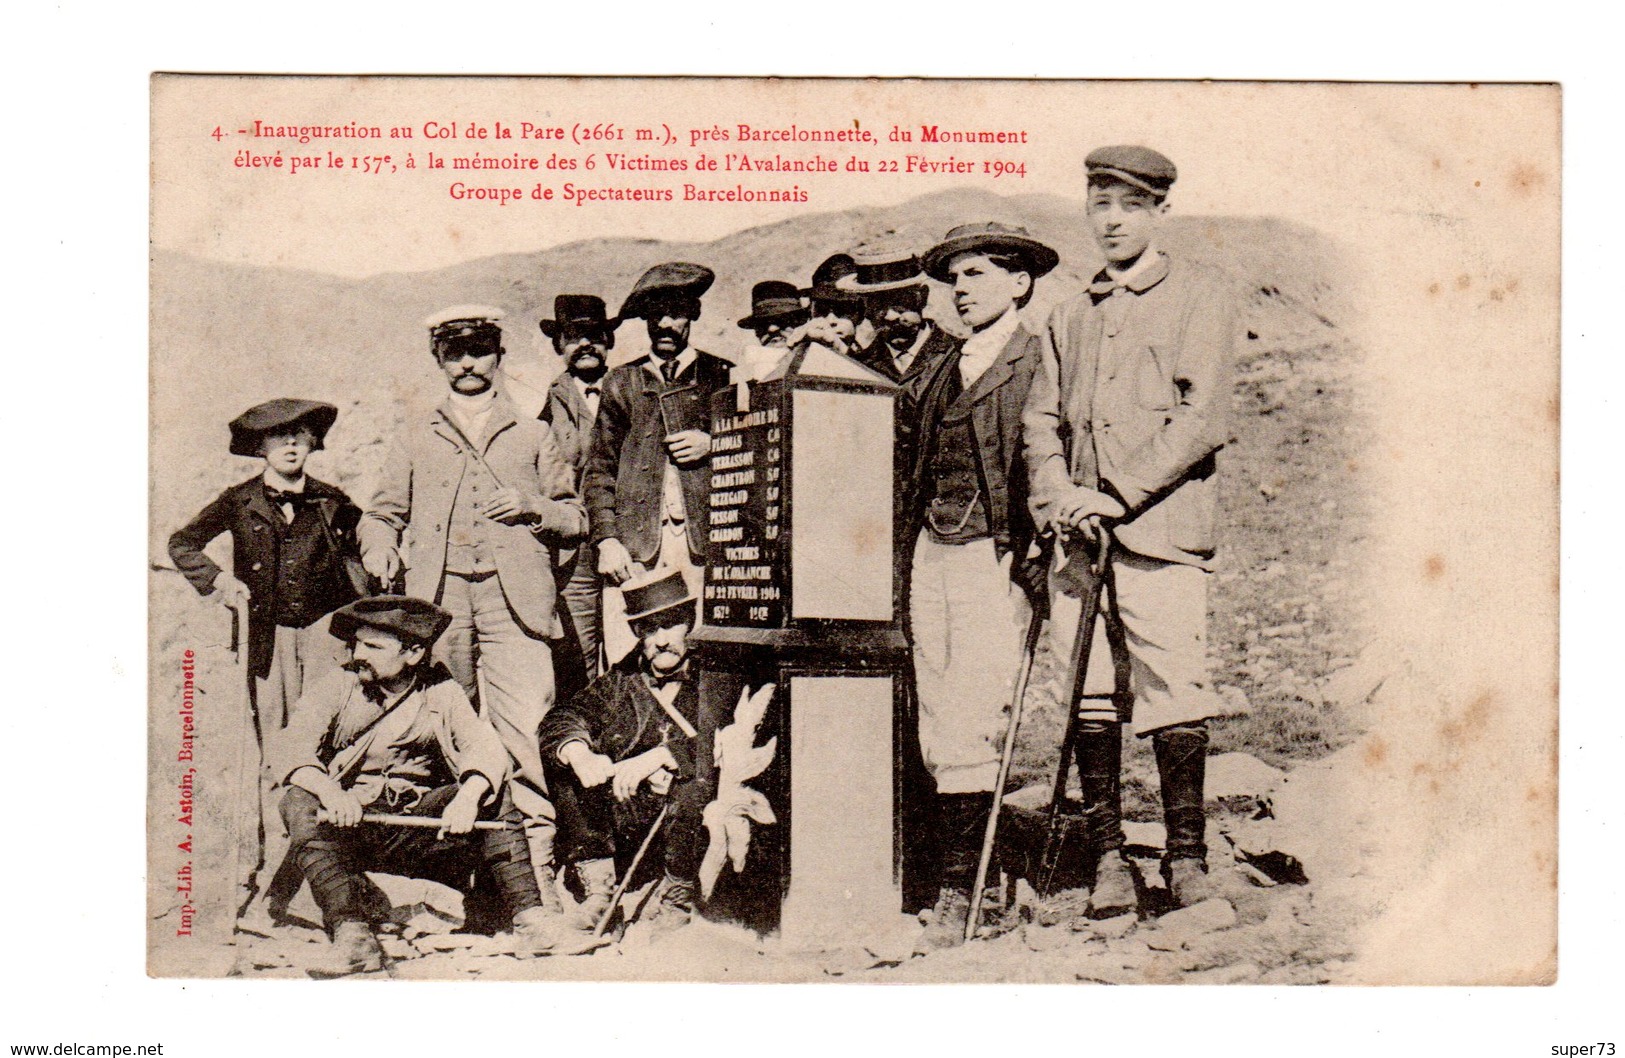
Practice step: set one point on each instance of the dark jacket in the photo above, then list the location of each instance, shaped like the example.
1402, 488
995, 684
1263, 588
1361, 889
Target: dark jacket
617, 715
997, 399
877, 357
255, 527
626, 462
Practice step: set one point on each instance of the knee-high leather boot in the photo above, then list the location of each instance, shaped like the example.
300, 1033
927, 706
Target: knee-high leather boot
1100, 777
1181, 767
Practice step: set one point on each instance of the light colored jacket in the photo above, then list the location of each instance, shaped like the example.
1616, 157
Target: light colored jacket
1147, 420
418, 486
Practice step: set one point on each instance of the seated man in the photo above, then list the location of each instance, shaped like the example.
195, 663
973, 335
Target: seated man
393, 733
625, 747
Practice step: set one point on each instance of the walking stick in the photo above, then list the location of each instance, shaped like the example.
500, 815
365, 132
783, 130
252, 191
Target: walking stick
1035, 626
626, 879
386, 819
250, 757
1055, 836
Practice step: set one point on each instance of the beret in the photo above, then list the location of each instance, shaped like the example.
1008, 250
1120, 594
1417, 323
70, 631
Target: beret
248, 428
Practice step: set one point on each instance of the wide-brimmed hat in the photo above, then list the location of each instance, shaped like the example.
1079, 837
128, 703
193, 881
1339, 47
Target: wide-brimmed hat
885, 263
661, 590
990, 237
773, 299
417, 620
252, 425
1140, 166
673, 277
582, 311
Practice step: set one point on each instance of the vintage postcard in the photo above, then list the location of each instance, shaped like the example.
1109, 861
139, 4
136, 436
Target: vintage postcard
853, 530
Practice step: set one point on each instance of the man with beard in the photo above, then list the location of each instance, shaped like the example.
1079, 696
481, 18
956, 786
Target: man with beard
887, 276
624, 749
973, 584
393, 735
646, 482
582, 337
776, 312
1124, 424
490, 501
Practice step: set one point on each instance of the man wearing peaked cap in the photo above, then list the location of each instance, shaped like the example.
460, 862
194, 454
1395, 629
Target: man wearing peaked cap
582, 337
489, 501
835, 311
647, 482
293, 547
975, 575
1123, 428
776, 310
393, 734
887, 275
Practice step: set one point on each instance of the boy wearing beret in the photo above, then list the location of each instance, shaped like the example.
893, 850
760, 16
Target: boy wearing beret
1122, 430
291, 537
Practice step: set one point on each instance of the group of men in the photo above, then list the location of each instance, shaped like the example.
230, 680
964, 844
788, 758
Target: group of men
551, 567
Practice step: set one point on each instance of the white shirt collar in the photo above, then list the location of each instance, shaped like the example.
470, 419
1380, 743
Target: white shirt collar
1142, 265
276, 481
684, 360
984, 347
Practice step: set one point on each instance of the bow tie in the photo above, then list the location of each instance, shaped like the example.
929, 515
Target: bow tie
592, 391
278, 497
677, 675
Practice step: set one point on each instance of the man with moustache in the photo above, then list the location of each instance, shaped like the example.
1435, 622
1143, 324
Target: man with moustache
582, 337
392, 734
887, 276
776, 311
625, 748
490, 501
646, 479
1127, 415
975, 576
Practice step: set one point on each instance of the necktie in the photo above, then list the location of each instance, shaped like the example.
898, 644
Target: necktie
668, 371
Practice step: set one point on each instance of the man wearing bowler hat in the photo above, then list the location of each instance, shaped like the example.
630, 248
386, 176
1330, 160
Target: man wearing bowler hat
974, 576
490, 501
647, 483
628, 746
886, 274
292, 538
394, 735
1123, 428
776, 311
582, 337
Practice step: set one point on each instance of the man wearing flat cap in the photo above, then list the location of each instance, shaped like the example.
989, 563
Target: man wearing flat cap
582, 336
647, 482
628, 746
393, 734
886, 275
975, 576
489, 501
292, 538
1123, 429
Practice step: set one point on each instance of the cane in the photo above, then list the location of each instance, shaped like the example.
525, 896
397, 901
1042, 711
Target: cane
632, 869
386, 819
1035, 626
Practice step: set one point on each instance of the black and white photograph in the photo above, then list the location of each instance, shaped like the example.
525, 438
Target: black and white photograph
852, 531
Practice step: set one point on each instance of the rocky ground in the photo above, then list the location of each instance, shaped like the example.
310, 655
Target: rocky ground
1293, 656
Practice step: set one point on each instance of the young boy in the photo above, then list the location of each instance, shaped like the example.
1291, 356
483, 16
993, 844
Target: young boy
290, 535
1122, 430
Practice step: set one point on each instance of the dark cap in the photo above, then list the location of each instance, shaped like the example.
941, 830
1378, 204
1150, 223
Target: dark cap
989, 238
284, 413
417, 620
1140, 166
672, 278
655, 593
582, 311
826, 275
773, 299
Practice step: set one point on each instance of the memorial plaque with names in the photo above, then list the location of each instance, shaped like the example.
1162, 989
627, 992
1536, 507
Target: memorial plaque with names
746, 572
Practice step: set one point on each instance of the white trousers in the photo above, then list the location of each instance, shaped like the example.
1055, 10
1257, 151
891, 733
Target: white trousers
968, 623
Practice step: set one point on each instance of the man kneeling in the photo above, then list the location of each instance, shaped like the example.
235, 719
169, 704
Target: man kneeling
622, 750
394, 734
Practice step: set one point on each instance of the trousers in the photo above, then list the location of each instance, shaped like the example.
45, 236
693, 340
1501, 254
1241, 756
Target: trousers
507, 672
333, 859
967, 618
1154, 632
